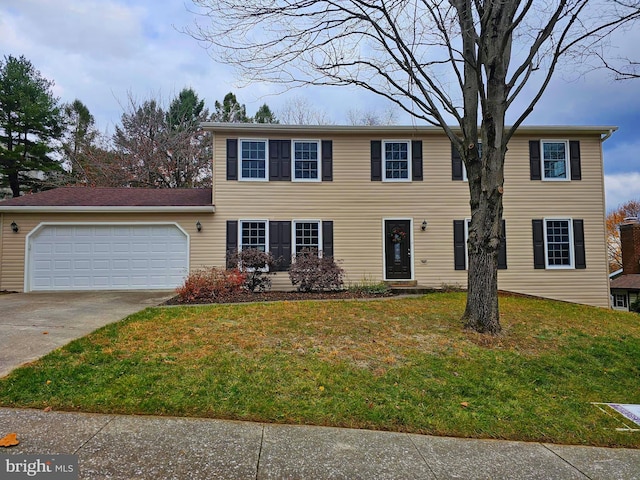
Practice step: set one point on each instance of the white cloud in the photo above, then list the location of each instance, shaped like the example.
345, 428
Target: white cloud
620, 188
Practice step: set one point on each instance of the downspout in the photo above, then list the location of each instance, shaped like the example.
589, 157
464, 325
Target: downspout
602, 140
607, 135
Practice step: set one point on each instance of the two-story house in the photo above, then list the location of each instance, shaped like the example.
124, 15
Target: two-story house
389, 203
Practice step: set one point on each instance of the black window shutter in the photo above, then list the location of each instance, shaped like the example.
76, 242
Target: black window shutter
502, 252
459, 250
280, 244
232, 159
327, 160
327, 238
534, 160
416, 161
279, 160
578, 244
376, 161
456, 164
574, 156
274, 160
285, 160
232, 243
538, 244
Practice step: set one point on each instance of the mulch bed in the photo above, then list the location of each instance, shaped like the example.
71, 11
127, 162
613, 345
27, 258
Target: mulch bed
273, 296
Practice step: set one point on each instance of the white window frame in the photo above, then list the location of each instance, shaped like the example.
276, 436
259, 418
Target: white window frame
571, 244
566, 160
266, 160
318, 161
624, 296
255, 220
266, 238
384, 162
464, 167
293, 235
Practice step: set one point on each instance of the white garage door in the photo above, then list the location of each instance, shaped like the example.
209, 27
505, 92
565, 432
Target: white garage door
107, 257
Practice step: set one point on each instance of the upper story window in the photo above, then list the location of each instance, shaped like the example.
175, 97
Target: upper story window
397, 161
306, 156
253, 160
555, 160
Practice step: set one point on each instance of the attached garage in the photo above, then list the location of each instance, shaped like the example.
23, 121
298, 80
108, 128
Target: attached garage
106, 257
83, 238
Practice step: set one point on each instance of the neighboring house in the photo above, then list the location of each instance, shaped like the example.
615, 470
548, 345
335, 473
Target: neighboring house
625, 285
389, 203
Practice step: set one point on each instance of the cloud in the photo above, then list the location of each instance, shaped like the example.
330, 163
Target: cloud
620, 188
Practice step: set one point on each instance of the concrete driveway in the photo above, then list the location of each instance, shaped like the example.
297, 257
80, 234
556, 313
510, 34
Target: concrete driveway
33, 324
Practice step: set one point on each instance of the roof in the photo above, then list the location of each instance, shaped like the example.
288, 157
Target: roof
627, 282
605, 130
112, 199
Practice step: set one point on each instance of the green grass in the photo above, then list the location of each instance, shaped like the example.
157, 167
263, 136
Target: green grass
401, 364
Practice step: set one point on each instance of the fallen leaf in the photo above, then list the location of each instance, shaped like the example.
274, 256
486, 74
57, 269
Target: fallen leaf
45, 333
10, 440
321, 388
465, 404
47, 409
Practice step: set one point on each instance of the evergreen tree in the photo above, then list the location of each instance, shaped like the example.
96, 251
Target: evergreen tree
30, 120
230, 111
265, 115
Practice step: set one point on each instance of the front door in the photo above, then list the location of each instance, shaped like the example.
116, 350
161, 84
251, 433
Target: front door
397, 249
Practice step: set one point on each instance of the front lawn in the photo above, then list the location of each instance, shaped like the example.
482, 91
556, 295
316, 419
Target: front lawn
402, 364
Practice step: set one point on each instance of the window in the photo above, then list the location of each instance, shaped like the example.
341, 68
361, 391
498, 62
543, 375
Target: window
460, 245
307, 236
464, 167
397, 161
253, 234
558, 237
555, 164
620, 300
253, 160
305, 161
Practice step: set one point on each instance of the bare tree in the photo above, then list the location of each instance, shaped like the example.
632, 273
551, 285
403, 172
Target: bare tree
299, 111
158, 149
456, 61
356, 116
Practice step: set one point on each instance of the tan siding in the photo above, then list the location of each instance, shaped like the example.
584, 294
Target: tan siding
357, 206
13, 251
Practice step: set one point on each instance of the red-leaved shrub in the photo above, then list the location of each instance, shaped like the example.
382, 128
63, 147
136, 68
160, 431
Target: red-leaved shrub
315, 274
210, 283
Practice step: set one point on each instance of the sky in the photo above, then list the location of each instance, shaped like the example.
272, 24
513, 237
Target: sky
104, 51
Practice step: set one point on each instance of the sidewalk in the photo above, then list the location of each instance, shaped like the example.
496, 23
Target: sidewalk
136, 447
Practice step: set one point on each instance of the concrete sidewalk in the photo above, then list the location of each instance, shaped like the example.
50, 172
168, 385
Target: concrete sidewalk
135, 447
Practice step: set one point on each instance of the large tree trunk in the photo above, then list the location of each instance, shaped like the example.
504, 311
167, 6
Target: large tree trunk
481, 313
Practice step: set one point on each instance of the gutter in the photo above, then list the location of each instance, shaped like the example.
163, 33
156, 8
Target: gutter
608, 134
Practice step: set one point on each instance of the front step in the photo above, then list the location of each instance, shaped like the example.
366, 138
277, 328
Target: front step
409, 287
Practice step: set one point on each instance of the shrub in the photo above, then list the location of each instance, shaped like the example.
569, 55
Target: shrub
210, 283
256, 266
635, 306
311, 273
367, 286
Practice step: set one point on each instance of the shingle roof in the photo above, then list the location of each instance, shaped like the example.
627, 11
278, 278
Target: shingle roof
629, 282
113, 197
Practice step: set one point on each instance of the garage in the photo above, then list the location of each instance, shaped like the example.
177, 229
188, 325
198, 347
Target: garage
106, 257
